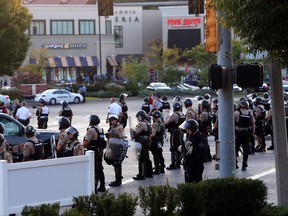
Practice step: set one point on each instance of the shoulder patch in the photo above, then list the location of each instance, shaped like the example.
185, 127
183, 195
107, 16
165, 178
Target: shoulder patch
154, 125
25, 147
88, 132
61, 136
121, 130
138, 125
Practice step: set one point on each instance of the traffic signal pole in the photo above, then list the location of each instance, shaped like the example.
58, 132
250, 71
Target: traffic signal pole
226, 106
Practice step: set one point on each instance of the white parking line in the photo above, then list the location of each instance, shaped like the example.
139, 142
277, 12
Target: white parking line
263, 174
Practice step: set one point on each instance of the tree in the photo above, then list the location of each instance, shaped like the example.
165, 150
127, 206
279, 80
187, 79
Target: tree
14, 42
136, 71
263, 27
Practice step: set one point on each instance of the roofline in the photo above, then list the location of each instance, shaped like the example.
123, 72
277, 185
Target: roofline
164, 3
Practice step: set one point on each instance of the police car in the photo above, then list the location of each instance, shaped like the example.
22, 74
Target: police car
14, 134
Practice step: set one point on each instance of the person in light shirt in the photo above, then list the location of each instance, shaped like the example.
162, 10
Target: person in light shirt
23, 114
114, 108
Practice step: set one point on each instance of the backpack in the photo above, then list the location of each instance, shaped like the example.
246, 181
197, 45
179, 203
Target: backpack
101, 142
39, 150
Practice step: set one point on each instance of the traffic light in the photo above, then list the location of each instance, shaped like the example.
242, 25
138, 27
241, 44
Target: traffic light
105, 7
215, 76
211, 43
249, 75
196, 6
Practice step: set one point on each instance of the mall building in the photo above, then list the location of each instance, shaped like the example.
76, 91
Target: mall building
80, 44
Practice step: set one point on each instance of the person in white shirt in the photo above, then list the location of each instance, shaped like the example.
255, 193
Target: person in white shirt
42, 114
114, 108
23, 114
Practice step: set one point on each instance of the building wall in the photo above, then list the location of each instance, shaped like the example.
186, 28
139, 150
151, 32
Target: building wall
152, 27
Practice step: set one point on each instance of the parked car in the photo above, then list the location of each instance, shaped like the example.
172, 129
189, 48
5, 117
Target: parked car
236, 88
158, 86
285, 86
5, 99
56, 96
191, 87
14, 134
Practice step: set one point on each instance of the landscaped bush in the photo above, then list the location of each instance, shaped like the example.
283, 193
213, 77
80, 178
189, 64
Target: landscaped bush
114, 88
44, 209
270, 210
12, 92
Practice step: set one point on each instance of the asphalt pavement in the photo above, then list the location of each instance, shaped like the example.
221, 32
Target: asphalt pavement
260, 165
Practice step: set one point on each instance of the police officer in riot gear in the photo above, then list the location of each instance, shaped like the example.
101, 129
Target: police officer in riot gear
4, 154
245, 126
142, 134
124, 107
165, 103
33, 148
157, 141
214, 109
64, 123
147, 107
204, 121
190, 112
94, 140
260, 114
66, 111
42, 114
116, 130
73, 146
194, 151
176, 137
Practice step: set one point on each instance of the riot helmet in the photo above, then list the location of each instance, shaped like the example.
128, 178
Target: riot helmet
257, 101
250, 103
215, 103
146, 100
200, 98
156, 114
191, 124
141, 114
122, 96
266, 95
2, 140
205, 104
1, 128
242, 99
30, 130
188, 102
177, 106
243, 104
65, 103
254, 95
73, 131
207, 96
177, 99
64, 123
94, 120
164, 98
112, 117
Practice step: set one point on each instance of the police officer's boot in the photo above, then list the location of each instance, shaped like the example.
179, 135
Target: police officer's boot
102, 182
173, 162
141, 168
244, 166
156, 164
118, 177
178, 160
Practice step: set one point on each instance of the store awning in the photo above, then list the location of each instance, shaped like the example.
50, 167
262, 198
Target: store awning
112, 61
81, 61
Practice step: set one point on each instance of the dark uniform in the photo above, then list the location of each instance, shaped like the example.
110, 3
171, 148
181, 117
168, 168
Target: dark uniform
245, 126
66, 111
116, 130
157, 141
64, 123
94, 140
176, 137
142, 134
42, 115
214, 108
194, 151
260, 114
124, 107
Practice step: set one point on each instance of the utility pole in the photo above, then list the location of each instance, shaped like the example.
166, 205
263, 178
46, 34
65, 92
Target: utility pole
226, 106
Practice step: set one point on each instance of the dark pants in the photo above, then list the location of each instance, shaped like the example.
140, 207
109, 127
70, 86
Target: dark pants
99, 173
42, 123
83, 94
194, 172
176, 140
145, 164
242, 140
24, 122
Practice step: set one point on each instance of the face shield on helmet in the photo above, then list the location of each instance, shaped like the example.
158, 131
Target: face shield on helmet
112, 117
73, 131
141, 115
94, 120
64, 123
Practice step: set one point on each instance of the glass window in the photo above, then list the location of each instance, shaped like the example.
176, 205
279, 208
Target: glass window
62, 27
37, 27
87, 27
118, 36
11, 128
108, 27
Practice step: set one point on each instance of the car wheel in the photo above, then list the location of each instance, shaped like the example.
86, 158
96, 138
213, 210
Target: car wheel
76, 100
52, 101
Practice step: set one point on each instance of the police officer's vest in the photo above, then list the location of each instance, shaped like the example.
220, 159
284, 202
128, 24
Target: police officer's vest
161, 132
124, 106
146, 107
67, 112
39, 150
100, 142
244, 120
262, 115
69, 149
166, 105
146, 133
181, 119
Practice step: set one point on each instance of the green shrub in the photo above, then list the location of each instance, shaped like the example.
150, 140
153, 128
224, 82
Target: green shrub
270, 210
114, 88
105, 204
159, 200
234, 196
44, 209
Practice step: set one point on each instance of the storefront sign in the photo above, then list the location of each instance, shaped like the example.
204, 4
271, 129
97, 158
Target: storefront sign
126, 16
184, 22
65, 46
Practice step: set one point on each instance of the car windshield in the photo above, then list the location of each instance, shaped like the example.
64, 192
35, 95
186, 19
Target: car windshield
11, 128
160, 85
